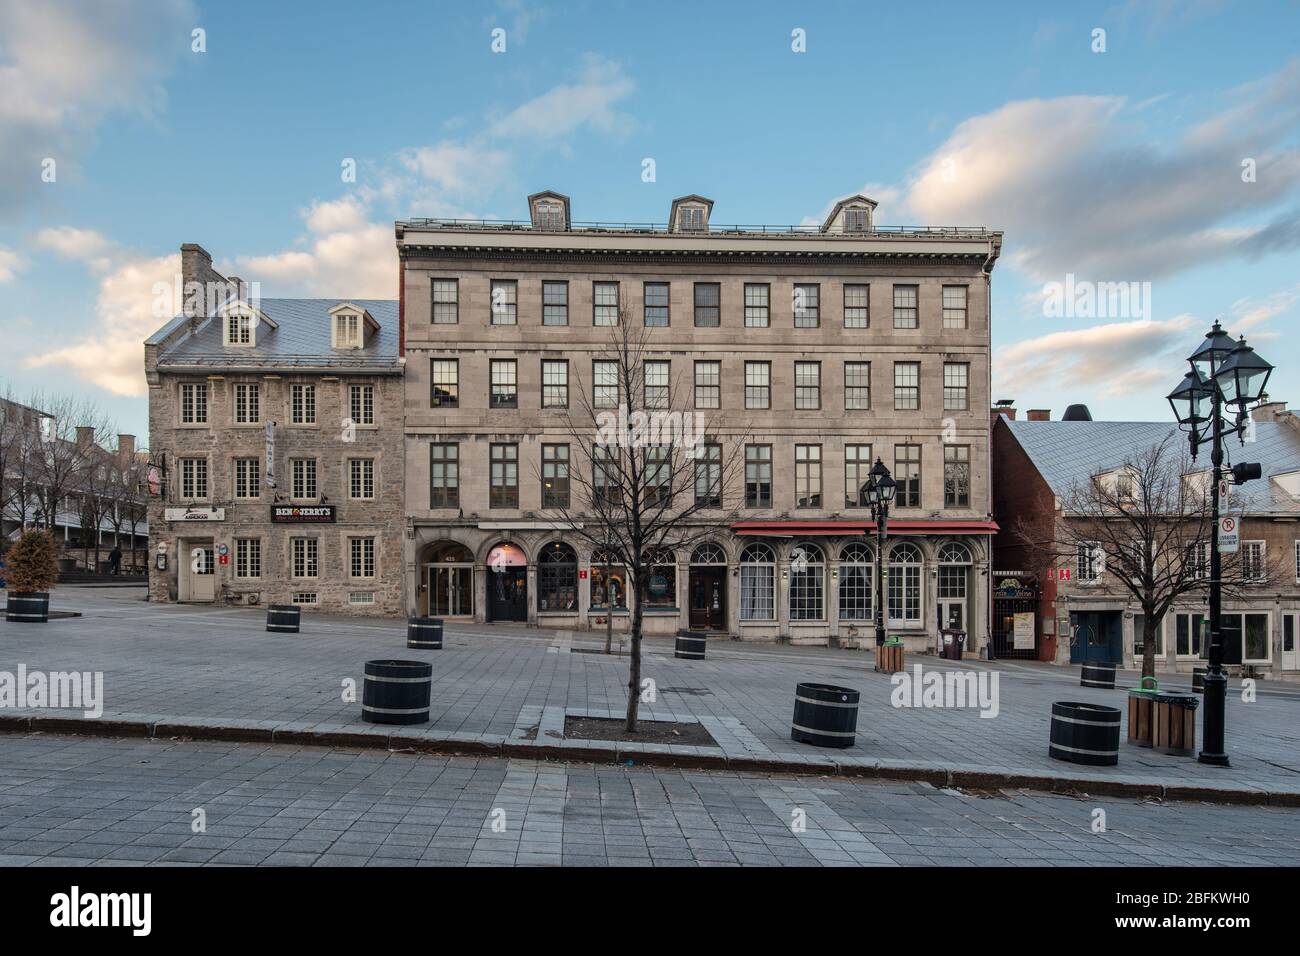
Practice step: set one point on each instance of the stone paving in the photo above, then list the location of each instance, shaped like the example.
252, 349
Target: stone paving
497, 684
67, 800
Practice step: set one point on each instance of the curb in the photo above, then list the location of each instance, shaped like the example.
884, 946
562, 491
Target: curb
399, 741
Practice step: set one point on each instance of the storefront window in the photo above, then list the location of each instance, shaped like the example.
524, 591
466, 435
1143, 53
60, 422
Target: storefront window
757, 583
807, 583
661, 590
557, 578
606, 582
857, 580
905, 584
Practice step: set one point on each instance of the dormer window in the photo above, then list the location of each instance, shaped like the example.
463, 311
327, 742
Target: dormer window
690, 218
690, 214
851, 215
240, 323
549, 211
350, 325
856, 219
239, 329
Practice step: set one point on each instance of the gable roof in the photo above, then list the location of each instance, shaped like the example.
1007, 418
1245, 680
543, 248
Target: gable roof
857, 200
1069, 453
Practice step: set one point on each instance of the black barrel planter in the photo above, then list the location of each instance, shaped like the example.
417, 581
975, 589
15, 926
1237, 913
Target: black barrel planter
30, 608
1198, 679
691, 644
424, 632
1085, 733
397, 692
283, 618
824, 715
1097, 674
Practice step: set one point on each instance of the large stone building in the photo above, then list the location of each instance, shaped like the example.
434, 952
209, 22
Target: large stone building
1080, 612
820, 348
275, 449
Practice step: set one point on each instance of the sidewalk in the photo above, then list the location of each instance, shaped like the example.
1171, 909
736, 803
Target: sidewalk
214, 673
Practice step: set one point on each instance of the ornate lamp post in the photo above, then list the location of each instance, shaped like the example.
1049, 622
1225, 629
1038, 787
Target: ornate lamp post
880, 492
1223, 373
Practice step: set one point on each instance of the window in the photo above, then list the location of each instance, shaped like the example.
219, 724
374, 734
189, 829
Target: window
807, 583
757, 305
361, 479
306, 558
658, 474
444, 475
557, 578
604, 303
662, 590
758, 476
505, 476
954, 307
953, 573
708, 477
855, 219
708, 384
303, 597
363, 558
857, 385
656, 384
956, 386
302, 404
248, 403
807, 306
239, 329
194, 403
808, 476
857, 583
857, 465
605, 388
549, 216
1252, 562
555, 476
904, 584
505, 302
555, 384
807, 385
708, 304
248, 478
248, 557
361, 400
956, 476
1089, 560
1245, 636
608, 580
758, 384
505, 384
1191, 634
757, 583
905, 308
907, 474
907, 386
690, 218
857, 299
656, 304
1297, 561
446, 301
1139, 642
1198, 560
304, 477
347, 330
361, 597
606, 491
444, 377
194, 478
555, 303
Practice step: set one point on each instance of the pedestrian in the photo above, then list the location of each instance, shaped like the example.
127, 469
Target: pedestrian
115, 560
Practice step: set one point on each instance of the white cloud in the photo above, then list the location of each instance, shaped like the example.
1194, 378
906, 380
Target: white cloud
11, 263
562, 110
83, 245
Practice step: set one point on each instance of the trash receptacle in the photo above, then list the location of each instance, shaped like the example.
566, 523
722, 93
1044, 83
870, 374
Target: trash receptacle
953, 643
1141, 712
1173, 724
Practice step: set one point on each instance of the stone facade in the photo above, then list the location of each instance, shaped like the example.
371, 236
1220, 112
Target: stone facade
451, 553
348, 564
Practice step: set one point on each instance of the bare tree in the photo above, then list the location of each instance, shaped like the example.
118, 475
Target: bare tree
646, 476
64, 451
1143, 529
20, 443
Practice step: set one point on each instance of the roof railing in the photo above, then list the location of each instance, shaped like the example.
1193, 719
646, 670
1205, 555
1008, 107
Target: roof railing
524, 225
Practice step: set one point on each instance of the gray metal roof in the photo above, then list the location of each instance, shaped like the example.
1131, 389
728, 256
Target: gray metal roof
300, 339
1069, 453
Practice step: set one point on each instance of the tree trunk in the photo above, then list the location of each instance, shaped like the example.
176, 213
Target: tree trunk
1148, 645
609, 607
634, 671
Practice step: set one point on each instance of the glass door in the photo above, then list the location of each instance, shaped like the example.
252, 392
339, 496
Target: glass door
451, 591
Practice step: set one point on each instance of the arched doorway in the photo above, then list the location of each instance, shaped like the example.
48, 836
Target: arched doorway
507, 583
708, 587
449, 581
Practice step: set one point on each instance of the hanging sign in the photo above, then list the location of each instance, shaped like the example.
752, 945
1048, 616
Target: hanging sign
269, 477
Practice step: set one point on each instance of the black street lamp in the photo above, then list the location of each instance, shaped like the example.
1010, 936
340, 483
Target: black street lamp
880, 492
1224, 373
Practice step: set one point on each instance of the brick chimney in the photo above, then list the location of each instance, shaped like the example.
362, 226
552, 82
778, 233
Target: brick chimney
126, 448
1006, 411
197, 280
1269, 411
85, 436
1039, 414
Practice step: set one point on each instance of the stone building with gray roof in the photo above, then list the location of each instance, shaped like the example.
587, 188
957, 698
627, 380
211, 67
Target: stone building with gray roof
276, 443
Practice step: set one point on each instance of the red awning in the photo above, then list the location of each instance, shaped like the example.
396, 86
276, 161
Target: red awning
840, 526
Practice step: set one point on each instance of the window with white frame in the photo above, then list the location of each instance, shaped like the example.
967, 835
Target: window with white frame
807, 583
505, 302
906, 315
904, 587
239, 328
361, 484
708, 384
1191, 634
302, 404
604, 303
857, 579
446, 301
605, 384
363, 558
194, 403
555, 384
1252, 562
248, 478
361, 402
757, 305
306, 557
248, 557
444, 377
1089, 561
807, 306
757, 583
303, 471
956, 386
807, 385
857, 386
907, 386
347, 330
304, 597
857, 300
1139, 636
954, 307
758, 384
194, 478
248, 403
808, 476
656, 384
656, 304
555, 303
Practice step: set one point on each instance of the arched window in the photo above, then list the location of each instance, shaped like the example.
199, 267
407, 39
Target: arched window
953, 584
857, 583
757, 583
905, 584
709, 553
954, 552
661, 590
617, 584
807, 583
557, 578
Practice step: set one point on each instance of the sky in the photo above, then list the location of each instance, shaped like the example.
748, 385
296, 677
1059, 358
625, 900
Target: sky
1152, 143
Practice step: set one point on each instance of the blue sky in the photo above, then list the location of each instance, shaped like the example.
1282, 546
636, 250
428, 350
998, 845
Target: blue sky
1115, 166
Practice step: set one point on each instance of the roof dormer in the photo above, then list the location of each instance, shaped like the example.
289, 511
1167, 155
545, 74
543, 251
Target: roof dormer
690, 214
852, 215
240, 321
351, 326
549, 211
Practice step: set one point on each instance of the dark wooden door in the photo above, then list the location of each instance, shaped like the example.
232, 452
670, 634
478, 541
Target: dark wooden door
708, 609
508, 594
